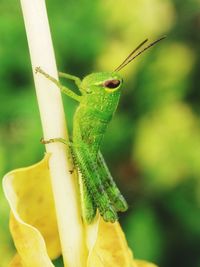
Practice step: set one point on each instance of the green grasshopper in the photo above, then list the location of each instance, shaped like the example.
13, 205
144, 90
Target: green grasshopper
100, 93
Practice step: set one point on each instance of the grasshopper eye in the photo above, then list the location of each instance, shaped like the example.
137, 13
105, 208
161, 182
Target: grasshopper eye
111, 83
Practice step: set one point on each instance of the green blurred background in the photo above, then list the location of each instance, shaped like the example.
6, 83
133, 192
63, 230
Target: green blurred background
153, 143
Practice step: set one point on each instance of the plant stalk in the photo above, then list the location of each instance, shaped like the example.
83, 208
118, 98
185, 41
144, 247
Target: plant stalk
64, 187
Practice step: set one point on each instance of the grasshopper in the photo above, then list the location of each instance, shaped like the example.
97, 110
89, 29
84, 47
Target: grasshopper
100, 93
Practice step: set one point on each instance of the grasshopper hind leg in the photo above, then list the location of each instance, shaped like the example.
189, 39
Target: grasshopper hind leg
88, 206
93, 191
111, 188
92, 179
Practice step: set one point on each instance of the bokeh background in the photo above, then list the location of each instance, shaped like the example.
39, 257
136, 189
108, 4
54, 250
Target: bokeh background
153, 143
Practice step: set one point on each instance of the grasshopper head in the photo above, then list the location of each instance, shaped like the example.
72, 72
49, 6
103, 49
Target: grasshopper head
104, 82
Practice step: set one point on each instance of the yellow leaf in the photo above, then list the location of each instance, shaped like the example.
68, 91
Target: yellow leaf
16, 261
111, 248
34, 228
33, 222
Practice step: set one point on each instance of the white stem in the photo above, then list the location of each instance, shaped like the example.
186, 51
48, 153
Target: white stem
53, 123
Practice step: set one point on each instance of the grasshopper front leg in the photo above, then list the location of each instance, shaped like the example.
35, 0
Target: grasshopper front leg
76, 79
62, 88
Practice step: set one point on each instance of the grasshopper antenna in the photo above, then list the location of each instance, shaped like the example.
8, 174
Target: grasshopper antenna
130, 58
140, 45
